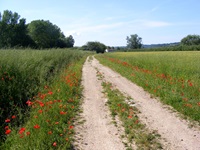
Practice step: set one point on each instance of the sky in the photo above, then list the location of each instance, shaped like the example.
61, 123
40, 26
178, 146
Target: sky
111, 21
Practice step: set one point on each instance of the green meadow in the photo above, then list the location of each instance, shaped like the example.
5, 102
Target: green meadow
174, 77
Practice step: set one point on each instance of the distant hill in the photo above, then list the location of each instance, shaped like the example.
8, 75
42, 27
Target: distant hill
152, 45
160, 45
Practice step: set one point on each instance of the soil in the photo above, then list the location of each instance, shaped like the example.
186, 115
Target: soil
98, 133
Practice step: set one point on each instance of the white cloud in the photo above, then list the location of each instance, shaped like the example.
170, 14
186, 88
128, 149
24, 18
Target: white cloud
155, 24
154, 9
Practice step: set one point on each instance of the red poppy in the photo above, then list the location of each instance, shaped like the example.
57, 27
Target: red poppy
28, 133
62, 113
71, 127
36, 126
137, 121
130, 117
54, 144
50, 132
41, 103
7, 120
6, 127
50, 92
29, 103
8, 131
13, 117
22, 130
40, 111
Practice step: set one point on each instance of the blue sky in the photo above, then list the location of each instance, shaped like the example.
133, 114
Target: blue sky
111, 21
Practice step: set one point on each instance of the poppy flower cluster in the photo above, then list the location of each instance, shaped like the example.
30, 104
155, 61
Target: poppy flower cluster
46, 103
175, 89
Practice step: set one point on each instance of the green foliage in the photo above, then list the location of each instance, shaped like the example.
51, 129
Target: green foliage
13, 32
44, 33
24, 72
50, 124
95, 46
134, 129
134, 42
70, 41
38, 34
171, 76
191, 40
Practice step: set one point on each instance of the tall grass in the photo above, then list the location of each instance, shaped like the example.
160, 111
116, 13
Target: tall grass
174, 77
23, 73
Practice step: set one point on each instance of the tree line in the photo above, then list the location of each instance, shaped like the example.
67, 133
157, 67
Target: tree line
14, 32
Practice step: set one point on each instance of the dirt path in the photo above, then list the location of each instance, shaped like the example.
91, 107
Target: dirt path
98, 131
175, 131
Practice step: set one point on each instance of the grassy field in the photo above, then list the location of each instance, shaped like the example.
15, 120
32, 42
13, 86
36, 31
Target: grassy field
39, 97
174, 77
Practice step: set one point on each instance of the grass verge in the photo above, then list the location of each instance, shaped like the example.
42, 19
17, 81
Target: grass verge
49, 123
171, 76
135, 131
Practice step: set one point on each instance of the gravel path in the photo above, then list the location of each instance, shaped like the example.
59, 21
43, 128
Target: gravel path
175, 131
98, 133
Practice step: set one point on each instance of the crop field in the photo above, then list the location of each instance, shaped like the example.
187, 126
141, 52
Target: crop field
174, 77
39, 97
41, 93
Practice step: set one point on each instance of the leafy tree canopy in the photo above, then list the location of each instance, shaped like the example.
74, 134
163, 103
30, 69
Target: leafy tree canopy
134, 41
95, 46
44, 33
191, 40
13, 30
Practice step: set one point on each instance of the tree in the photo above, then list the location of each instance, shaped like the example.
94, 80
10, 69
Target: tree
13, 30
44, 33
191, 40
95, 46
70, 41
134, 41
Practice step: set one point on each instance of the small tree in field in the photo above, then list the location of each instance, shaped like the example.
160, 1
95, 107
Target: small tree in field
134, 42
95, 46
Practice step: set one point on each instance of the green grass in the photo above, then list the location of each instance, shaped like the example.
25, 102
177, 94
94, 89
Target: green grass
134, 129
50, 80
174, 77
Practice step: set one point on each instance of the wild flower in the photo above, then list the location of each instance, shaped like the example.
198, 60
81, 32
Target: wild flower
56, 122
7, 120
50, 92
8, 131
36, 126
55, 144
22, 130
13, 117
63, 113
28, 133
29, 103
71, 127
